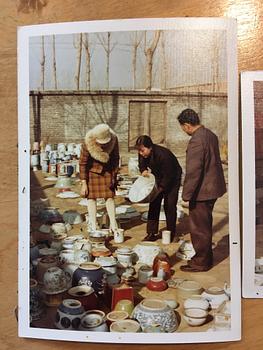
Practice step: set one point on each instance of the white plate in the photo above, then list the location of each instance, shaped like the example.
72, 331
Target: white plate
68, 194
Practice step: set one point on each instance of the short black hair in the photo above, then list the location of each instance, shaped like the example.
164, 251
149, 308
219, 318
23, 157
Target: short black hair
145, 141
188, 116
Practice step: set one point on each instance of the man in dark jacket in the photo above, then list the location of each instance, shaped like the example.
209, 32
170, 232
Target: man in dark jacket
163, 164
204, 183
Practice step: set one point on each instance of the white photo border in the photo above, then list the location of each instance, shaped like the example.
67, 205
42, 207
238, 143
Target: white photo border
24, 33
249, 288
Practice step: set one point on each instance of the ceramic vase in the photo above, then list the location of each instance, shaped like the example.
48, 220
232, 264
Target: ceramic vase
86, 295
155, 311
36, 303
69, 314
90, 274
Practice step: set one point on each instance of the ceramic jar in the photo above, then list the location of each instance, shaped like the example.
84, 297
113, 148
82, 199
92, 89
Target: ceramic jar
145, 272
124, 305
89, 273
94, 321
119, 236
124, 256
82, 244
36, 303
125, 326
215, 296
57, 242
108, 263
67, 256
186, 250
82, 256
43, 265
162, 266
155, 311
55, 281
196, 301
69, 314
146, 252
86, 295
59, 228
48, 252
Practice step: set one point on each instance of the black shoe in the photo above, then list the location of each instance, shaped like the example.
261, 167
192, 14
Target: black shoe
189, 268
150, 237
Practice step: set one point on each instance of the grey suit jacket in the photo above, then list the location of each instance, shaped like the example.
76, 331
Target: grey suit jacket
204, 178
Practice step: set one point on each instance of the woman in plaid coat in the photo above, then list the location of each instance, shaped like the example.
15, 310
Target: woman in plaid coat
99, 163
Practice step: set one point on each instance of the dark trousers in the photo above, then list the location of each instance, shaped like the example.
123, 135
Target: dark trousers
201, 222
170, 209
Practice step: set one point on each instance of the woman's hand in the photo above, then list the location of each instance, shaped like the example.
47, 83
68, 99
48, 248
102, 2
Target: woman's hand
84, 191
146, 173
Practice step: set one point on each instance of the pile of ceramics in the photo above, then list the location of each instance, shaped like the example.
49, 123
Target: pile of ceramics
81, 279
55, 159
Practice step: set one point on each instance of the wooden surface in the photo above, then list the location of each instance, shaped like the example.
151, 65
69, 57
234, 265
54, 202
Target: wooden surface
249, 14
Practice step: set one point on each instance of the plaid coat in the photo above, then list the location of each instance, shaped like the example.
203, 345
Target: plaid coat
99, 166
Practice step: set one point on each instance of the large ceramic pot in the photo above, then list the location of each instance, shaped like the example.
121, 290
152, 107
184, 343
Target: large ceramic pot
72, 217
43, 265
57, 241
90, 274
155, 311
162, 266
82, 244
67, 256
50, 215
146, 252
36, 303
215, 296
69, 314
55, 281
94, 321
86, 295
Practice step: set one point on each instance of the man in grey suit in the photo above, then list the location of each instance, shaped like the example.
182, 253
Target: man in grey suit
204, 183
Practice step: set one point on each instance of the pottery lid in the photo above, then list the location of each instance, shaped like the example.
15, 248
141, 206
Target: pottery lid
153, 304
125, 326
124, 250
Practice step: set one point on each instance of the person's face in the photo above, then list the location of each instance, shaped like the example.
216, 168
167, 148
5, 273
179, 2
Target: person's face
144, 151
187, 128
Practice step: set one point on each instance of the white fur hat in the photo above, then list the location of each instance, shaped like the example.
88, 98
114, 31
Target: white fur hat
102, 133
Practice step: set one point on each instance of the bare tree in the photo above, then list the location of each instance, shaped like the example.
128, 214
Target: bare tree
149, 53
78, 46
136, 40
215, 62
54, 62
42, 63
87, 46
108, 48
164, 62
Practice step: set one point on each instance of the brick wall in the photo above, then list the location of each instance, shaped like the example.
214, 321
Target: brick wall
67, 116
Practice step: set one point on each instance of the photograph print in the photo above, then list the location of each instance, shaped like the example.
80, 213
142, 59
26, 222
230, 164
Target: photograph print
128, 168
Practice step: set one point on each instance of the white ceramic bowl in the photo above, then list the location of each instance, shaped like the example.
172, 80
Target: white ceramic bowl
194, 316
196, 301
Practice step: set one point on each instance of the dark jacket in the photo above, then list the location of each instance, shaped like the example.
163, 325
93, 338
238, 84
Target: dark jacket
164, 166
204, 178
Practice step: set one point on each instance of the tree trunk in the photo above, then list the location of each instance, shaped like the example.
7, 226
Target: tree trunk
78, 46
54, 62
42, 63
136, 43
149, 53
88, 60
164, 62
108, 60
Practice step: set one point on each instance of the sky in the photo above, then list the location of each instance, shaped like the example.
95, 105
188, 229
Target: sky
192, 57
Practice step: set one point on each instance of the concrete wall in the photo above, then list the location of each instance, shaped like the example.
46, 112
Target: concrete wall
66, 116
